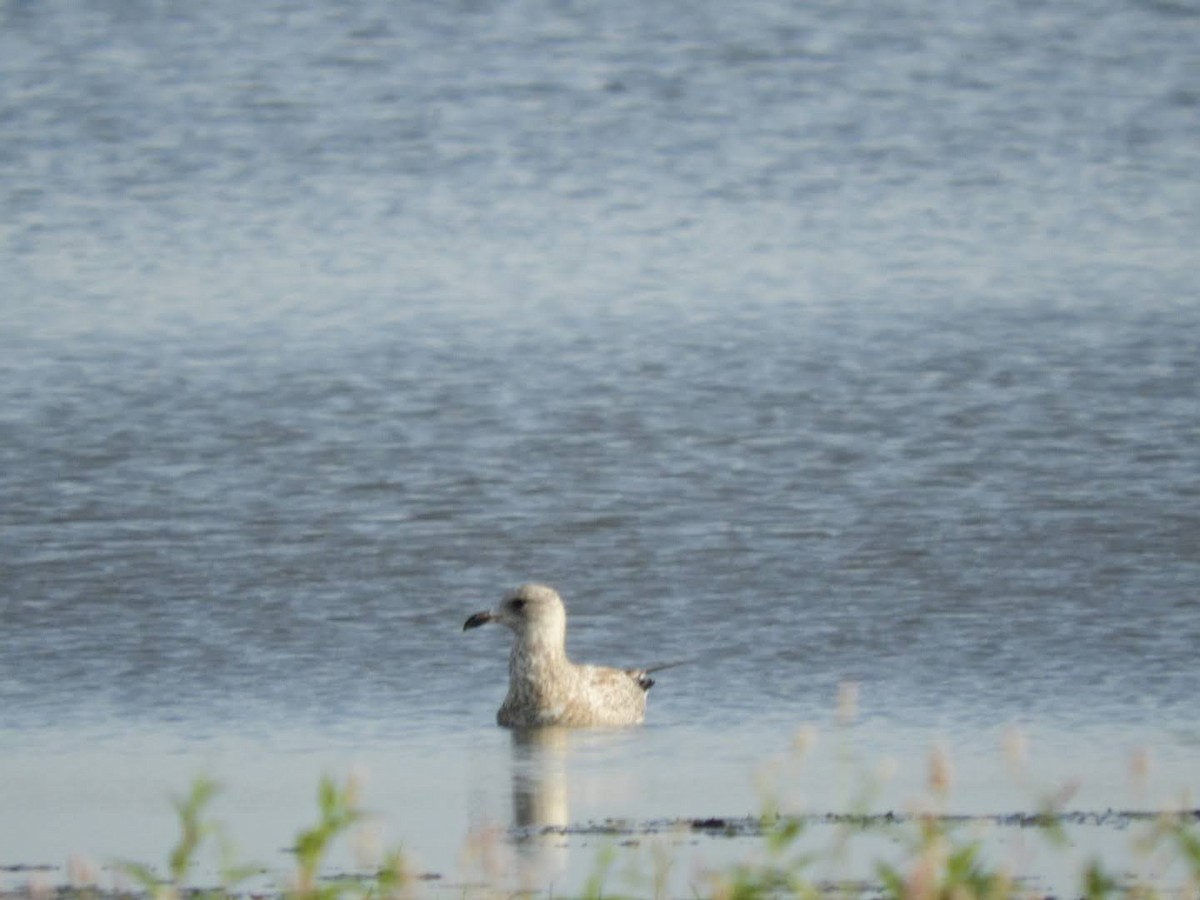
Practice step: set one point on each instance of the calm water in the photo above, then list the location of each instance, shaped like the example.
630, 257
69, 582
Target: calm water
851, 342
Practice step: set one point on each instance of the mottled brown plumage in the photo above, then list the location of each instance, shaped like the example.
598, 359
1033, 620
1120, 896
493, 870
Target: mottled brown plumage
544, 686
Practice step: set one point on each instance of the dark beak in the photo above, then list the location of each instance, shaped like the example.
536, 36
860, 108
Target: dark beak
480, 618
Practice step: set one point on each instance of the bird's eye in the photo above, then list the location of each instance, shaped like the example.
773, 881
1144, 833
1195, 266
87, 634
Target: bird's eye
516, 605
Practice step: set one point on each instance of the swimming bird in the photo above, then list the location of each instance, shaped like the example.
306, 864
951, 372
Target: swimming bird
544, 686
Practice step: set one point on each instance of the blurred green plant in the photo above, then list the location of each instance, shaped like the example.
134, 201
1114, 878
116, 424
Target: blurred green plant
593, 887
339, 811
195, 831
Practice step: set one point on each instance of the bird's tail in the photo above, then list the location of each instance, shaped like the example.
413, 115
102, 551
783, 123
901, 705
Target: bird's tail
643, 675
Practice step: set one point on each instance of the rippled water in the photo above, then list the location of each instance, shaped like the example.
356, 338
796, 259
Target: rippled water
991, 515
852, 342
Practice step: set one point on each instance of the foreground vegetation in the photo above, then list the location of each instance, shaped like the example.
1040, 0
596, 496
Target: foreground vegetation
941, 857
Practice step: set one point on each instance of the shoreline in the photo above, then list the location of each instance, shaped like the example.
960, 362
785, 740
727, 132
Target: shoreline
70, 881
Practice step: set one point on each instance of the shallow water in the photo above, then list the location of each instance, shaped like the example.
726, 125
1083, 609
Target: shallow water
824, 345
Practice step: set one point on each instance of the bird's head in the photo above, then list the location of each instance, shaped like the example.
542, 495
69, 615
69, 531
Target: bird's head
531, 612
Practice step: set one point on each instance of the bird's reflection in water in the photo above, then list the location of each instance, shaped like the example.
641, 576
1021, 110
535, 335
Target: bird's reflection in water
540, 804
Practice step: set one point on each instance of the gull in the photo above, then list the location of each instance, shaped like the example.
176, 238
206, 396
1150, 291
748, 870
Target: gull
544, 686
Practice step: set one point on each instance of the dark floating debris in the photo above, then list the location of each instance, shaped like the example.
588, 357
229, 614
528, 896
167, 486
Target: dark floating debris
754, 826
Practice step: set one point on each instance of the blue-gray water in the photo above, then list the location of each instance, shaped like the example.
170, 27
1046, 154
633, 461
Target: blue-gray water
823, 343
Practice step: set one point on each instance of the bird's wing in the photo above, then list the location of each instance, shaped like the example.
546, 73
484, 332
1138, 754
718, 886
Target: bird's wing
658, 667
